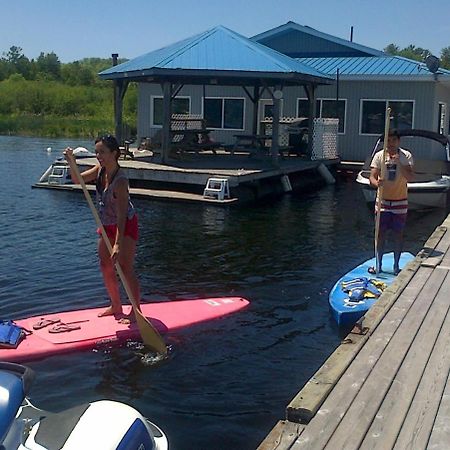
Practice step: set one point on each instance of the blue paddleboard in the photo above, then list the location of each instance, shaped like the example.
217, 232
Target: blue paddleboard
345, 310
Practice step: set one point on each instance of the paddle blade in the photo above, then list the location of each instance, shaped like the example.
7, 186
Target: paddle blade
150, 336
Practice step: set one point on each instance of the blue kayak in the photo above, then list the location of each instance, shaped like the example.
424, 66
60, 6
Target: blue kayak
358, 290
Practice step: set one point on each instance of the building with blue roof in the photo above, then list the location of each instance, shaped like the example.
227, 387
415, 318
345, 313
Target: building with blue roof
366, 82
229, 80
174, 79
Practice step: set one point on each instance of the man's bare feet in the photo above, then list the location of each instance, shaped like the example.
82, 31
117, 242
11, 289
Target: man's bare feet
110, 312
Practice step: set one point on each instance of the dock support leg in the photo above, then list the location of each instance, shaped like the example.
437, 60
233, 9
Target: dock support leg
326, 174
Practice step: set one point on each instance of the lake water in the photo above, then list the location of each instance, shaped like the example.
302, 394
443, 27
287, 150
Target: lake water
227, 382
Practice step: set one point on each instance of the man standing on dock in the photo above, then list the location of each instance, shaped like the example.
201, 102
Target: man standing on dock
394, 201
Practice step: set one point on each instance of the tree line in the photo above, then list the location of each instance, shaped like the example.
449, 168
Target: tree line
44, 97
418, 53
48, 67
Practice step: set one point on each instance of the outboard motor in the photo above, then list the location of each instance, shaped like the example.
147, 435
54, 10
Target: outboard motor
15, 382
99, 425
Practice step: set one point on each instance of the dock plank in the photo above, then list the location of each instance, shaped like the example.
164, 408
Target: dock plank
430, 337
440, 435
364, 407
433, 256
328, 417
445, 264
419, 422
282, 436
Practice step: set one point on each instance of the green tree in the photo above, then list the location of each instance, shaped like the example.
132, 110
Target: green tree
84, 72
20, 63
49, 64
392, 49
5, 69
45, 97
413, 52
410, 52
445, 57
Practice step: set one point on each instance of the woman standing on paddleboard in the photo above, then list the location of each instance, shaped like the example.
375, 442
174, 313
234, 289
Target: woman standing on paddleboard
118, 217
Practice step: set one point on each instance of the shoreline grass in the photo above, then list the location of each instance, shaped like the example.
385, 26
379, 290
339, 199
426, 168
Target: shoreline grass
55, 126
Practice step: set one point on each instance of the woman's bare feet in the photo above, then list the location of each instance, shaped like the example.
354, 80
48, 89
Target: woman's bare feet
110, 312
127, 319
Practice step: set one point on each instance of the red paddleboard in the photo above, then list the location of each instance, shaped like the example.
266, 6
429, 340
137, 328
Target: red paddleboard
94, 330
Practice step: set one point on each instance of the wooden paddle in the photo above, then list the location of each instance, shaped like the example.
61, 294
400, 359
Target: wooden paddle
150, 336
380, 188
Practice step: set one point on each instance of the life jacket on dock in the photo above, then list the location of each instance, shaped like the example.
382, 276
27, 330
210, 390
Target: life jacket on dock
361, 288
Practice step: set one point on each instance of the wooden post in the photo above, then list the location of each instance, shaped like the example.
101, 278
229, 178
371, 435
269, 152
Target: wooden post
256, 96
311, 93
276, 96
120, 87
167, 119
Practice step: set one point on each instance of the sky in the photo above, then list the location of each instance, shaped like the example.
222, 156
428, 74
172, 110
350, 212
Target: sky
76, 29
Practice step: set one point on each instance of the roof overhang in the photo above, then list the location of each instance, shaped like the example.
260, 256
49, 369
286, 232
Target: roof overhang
415, 78
217, 77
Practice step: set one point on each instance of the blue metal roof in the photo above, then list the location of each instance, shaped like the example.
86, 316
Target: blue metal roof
370, 65
290, 26
217, 49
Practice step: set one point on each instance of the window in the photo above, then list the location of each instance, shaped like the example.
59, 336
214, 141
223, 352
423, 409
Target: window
373, 115
224, 113
332, 109
268, 110
325, 108
180, 105
303, 107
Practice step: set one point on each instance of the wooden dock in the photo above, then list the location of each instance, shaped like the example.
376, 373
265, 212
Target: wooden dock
238, 169
149, 194
248, 179
387, 386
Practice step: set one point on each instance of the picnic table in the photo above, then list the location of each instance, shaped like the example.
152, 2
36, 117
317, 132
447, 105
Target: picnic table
193, 139
252, 141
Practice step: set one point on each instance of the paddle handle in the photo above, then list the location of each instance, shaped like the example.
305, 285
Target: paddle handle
380, 188
161, 347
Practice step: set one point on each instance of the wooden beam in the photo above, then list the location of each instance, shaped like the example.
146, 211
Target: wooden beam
256, 96
311, 93
255, 100
177, 89
276, 96
167, 118
250, 96
120, 88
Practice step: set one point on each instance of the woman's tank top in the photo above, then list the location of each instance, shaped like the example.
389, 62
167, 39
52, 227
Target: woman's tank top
107, 202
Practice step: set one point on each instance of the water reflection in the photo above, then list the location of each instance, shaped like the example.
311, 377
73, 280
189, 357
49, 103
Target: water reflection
214, 220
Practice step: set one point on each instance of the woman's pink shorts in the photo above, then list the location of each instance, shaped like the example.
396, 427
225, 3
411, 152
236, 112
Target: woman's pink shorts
131, 229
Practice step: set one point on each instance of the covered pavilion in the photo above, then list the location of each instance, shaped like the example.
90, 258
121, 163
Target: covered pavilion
219, 57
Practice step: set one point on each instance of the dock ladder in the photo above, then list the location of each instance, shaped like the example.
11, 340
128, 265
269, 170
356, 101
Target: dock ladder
217, 188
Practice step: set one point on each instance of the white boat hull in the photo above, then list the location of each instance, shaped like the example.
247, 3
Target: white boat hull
59, 172
421, 195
